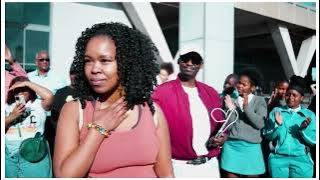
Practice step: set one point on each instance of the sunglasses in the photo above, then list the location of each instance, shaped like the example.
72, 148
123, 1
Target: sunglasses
194, 61
44, 59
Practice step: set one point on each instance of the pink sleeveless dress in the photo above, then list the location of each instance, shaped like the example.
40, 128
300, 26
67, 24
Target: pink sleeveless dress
126, 154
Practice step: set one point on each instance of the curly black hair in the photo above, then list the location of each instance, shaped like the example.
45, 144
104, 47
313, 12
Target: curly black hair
136, 57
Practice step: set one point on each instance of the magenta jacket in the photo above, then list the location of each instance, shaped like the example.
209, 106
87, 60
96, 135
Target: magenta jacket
174, 103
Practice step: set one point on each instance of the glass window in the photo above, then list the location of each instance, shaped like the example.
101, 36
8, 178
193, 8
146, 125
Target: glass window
27, 31
35, 42
28, 13
14, 40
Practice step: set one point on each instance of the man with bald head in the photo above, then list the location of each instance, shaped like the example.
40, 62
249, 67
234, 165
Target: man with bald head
43, 75
43, 62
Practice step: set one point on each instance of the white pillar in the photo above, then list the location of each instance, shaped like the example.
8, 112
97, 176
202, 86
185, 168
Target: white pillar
305, 55
211, 27
144, 19
219, 43
291, 64
191, 29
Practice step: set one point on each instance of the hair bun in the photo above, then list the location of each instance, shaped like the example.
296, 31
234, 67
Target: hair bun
298, 80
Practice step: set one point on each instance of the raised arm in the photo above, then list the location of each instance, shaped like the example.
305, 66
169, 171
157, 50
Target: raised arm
163, 166
17, 70
308, 130
274, 127
44, 93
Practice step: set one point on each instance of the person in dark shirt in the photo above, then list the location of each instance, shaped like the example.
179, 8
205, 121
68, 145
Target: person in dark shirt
312, 107
62, 96
230, 86
278, 95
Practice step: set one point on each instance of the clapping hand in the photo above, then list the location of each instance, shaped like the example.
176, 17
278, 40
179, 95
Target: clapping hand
305, 123
278, 117
229, 103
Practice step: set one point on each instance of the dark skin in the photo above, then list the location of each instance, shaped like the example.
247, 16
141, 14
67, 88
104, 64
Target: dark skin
282, 88
245, 87
305, 123
293, 98
230, 82
187, 75
279, 92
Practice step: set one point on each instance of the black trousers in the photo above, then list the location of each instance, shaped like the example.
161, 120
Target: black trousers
50, 133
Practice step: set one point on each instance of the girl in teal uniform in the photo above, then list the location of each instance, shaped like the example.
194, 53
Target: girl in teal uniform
292, 128
241, 153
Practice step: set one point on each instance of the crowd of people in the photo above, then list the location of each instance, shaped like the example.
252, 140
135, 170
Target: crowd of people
122, 116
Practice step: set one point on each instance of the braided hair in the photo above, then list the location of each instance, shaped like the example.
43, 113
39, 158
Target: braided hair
136, 57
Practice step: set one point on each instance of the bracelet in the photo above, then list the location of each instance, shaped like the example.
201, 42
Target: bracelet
100, 129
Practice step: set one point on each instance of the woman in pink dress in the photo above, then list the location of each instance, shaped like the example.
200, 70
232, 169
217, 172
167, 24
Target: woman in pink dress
114, 130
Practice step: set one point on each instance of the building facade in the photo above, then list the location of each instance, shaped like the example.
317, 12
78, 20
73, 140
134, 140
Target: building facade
276, 39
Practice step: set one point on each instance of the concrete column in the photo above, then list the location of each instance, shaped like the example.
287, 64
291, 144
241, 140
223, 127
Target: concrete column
191, 30
211, 27
144, 19
219, 43
291, 64
305, 55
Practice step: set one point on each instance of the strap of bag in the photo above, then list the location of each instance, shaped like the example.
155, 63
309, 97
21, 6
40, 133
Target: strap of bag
80, 115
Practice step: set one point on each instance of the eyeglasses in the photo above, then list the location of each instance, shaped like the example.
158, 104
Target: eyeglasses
194, 61
44, 59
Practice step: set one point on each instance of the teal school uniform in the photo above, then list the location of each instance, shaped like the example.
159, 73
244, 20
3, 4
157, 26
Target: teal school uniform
291, 156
